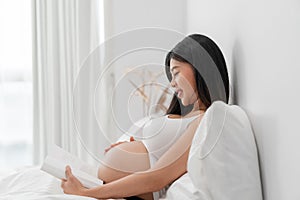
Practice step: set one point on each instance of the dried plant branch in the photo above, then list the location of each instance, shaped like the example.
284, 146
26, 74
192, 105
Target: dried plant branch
149, 91
140, 92
162, 99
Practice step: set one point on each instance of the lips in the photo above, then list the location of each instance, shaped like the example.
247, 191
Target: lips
179, 93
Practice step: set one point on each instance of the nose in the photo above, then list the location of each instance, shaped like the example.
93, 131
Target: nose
173, 84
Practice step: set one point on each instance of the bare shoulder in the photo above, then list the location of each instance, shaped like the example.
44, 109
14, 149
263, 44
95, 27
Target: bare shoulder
195, 123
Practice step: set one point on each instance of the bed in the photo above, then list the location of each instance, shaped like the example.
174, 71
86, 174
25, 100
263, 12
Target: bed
223, 164
31, 183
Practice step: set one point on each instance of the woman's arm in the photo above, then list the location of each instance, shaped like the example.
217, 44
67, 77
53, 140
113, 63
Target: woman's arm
168, 168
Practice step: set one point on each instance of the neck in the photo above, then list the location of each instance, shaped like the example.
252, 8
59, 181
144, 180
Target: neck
198, 106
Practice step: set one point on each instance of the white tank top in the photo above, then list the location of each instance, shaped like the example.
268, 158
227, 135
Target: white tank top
160, 134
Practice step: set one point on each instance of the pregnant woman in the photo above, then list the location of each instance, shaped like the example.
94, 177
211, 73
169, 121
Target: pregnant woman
197, 71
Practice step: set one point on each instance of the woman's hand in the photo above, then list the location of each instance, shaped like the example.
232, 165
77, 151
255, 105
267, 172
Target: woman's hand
71, 185
116, 144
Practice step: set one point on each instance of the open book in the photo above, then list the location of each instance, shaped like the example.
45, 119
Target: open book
56, 161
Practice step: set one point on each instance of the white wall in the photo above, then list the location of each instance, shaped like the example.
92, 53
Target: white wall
129, 15
260, 40
261, 43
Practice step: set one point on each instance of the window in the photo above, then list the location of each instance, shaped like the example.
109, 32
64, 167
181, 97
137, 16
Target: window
15, 84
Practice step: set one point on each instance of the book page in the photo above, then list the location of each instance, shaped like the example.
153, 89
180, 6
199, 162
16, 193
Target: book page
66, 157
57, 160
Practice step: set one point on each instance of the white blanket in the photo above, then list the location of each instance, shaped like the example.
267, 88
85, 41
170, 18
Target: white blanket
33, 184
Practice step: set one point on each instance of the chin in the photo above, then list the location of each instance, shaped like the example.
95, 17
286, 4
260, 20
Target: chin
184, 103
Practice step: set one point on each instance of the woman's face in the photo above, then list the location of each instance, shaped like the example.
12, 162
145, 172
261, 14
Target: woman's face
183, 81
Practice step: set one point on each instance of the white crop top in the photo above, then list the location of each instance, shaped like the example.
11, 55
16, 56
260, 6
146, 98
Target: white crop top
160, 134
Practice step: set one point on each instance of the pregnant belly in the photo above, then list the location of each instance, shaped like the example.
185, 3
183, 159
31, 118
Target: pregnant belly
128, 157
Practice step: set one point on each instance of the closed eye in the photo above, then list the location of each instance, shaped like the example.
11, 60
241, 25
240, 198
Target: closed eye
175, 74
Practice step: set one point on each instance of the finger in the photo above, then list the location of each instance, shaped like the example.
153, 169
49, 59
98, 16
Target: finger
131, 139
62, 183
68, 171
113, 145
107, 149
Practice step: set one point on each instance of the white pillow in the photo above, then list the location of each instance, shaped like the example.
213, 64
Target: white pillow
183, 188
223, 161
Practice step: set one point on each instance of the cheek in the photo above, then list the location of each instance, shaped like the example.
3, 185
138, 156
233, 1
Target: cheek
186, 84
191, 81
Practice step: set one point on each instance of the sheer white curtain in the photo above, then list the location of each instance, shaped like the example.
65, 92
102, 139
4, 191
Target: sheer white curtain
64, 35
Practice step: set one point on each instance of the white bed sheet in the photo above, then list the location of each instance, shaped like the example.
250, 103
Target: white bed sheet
33, 184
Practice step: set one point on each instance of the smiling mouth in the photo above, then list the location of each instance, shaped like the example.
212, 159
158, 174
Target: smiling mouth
179, 93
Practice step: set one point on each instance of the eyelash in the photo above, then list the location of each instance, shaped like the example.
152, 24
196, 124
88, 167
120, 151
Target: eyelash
175, 74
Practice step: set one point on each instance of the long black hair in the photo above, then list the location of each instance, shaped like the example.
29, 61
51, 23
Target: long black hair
213, 51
